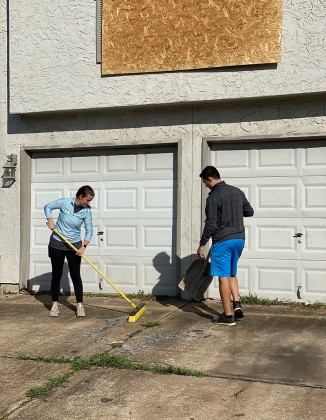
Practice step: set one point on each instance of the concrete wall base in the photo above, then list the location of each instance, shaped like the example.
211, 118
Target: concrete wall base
7, 288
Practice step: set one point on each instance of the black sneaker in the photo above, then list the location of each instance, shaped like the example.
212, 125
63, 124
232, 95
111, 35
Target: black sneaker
238, 311
224, 320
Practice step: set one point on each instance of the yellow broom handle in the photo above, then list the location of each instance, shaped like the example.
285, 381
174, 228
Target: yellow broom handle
95, 268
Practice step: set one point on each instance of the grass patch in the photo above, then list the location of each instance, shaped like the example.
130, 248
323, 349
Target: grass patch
44, 391
5, 415
98, 360
120, 362
173, 370
256, 300
316, 305
151, 324
46, 359
101, 360
141, 295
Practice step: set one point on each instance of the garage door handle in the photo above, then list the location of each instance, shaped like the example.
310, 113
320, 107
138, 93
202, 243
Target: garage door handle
100, 233
298, 235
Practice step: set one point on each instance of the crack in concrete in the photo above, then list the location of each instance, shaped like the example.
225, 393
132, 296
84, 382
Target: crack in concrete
263, 380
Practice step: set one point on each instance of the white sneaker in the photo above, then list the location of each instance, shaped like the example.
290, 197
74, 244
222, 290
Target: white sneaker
80, 311
54, 311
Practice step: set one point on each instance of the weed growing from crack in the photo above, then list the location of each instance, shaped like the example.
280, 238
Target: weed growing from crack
120, 362
98, 360
5, 415
151, 324
44, 391
256, 300
46, 359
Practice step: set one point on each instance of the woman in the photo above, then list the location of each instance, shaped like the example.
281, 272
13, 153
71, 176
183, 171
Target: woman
73, 213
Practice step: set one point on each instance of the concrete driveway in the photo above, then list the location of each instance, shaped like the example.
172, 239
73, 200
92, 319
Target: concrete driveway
271, 365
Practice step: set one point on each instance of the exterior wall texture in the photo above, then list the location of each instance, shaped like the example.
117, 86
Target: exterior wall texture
53, 63
48, 73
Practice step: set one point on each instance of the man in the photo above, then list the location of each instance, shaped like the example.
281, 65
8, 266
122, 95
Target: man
225, 208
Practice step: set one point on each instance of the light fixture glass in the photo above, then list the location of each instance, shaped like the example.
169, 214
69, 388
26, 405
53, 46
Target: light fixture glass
9, 173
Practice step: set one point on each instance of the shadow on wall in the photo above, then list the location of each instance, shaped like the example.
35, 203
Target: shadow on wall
41, 286
245, 111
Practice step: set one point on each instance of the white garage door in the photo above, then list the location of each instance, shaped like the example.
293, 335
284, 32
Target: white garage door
286, 239
134, 207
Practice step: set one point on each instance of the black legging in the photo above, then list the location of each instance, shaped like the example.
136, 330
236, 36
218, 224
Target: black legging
57, 260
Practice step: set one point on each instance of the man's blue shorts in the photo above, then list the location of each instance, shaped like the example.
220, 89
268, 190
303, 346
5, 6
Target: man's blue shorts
225, 256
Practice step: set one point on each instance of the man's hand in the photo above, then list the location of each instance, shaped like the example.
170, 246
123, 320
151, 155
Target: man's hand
200, 252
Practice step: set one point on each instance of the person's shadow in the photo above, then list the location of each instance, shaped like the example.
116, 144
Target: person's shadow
167, 278
40, 287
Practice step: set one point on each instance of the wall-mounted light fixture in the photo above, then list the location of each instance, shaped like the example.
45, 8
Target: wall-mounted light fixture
9, 176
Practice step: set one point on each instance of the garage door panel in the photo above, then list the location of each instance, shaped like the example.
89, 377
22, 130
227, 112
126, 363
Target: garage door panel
258, 163
151, 275
159, 275
150, 166
312, 243
275, 241
285, 159
40, 274
157, 198
88, 164
119, 164
272, 278
144, 237
271, 196
158, 162
275, 278
123, 200
287, 189
40, 236
47, 168
314, 284
314, 161
150, 199
122, 272
315, 239
314, 196
134, 207
267, 239
276, 197
121, 237
233, 162
44, 194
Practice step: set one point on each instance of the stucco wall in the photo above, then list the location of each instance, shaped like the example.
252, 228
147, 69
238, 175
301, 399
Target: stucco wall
53, 64
187, 125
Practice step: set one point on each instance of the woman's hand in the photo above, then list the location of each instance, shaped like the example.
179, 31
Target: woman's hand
50, 223
80, 251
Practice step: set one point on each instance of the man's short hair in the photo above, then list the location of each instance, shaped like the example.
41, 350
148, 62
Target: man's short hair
210, 172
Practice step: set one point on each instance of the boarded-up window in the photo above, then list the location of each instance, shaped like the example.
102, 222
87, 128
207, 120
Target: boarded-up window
142, 36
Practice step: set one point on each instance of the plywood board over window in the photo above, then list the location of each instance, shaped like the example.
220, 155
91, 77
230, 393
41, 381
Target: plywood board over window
141, 36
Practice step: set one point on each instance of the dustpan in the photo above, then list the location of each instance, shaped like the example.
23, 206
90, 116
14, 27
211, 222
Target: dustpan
197, 278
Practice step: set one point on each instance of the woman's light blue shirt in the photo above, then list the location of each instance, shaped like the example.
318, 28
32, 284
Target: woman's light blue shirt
69, 223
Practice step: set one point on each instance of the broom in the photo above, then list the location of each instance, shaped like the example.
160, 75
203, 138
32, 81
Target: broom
137, 311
